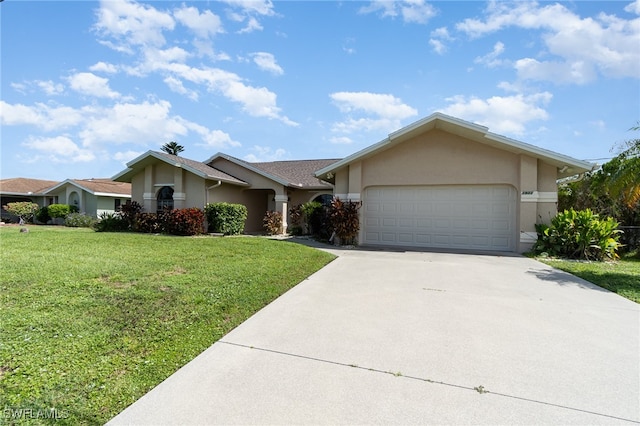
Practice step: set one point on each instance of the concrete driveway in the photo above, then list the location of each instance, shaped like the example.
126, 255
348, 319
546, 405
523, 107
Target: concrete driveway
381, 337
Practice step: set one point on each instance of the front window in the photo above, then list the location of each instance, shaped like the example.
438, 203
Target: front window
165, 199
324, 199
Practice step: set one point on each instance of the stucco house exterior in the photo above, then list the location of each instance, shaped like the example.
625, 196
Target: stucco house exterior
159, 180
91, 196
440, 182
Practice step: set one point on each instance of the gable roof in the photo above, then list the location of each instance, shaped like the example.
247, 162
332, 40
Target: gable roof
567, 166
25, 186
197, 168
293, 173
103, 187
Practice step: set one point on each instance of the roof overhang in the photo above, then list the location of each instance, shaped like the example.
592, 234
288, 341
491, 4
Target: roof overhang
249, 166
567, 166
139, 163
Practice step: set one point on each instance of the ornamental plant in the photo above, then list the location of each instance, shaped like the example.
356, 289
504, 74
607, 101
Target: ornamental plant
189, 221
226, 218
60, 210
579, 235
79, 220
23, 209
272, 222
345, 220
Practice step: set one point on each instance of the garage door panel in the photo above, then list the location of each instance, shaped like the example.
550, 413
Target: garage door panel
473, 216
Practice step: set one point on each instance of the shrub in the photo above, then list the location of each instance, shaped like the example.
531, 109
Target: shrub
314, 216
579, 235
295, 215
272, 222
188, 221
149, 223
59, 210
226, 218
79, 220
344, 219
42, 215
110, 222
23, 209
295, 230
129, 211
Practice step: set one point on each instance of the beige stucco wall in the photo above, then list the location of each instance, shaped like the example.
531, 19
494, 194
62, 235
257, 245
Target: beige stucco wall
440, 158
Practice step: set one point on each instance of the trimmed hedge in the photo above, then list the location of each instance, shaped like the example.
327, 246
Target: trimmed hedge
226, 218
184, 221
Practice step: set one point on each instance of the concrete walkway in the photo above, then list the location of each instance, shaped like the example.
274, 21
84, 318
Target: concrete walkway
382, 337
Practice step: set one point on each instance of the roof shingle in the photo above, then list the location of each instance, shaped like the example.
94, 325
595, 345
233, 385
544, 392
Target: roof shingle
25, 185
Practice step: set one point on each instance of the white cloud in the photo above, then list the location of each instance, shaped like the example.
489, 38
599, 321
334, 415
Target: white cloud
140, 124
213, 138
50, 88
103, 67
581, 46
633, 7
387, 111
126, 156
252, 25
124, 22
90, 84
267, 62
502, 114
176, 86
579, 72
257, 7
438, 46
491, 59
43, 116
414, 11
265, 153
129, 22
60, 149
341, 140
382, 105
204, 25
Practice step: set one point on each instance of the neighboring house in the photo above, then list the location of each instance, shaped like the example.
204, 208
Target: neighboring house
446, 183
15, 190
91, 196
440, 182
162, 180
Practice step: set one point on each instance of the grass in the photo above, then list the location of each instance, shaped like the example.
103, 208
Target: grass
621, 277
89, 322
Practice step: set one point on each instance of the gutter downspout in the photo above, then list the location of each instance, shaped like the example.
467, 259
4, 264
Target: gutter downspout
209, 188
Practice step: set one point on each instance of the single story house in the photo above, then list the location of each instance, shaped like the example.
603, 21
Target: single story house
440, 182
91, 196
162, 180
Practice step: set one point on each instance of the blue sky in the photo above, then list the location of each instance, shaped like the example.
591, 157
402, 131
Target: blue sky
88, 86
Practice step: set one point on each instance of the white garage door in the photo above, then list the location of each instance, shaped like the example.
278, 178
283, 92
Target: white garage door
465, 217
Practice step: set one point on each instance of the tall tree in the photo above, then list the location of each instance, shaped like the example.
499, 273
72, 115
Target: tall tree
172, 148
625, 179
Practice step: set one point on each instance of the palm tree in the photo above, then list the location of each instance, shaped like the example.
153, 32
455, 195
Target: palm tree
172, 148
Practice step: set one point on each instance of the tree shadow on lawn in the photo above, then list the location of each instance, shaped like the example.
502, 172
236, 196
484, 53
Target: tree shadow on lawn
618, 283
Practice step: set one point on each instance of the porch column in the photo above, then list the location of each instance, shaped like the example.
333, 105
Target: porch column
149, 195
282, 202
528, 202
179, 196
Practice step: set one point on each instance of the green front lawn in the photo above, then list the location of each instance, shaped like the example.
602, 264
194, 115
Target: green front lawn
621, 277
89, 322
